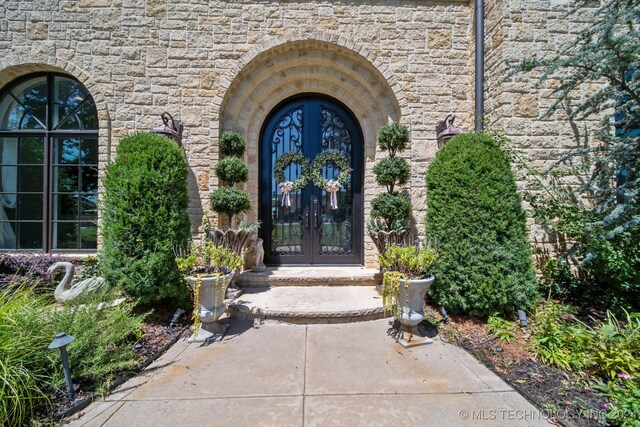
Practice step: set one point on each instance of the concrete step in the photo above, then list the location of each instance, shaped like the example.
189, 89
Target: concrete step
311, 276
308, 304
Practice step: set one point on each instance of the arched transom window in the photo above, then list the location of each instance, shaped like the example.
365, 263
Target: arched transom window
48, 165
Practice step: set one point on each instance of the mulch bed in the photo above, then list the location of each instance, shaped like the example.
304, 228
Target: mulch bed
157, 338
563, 397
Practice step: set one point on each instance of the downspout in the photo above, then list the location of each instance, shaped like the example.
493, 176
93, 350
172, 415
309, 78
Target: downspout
479, 107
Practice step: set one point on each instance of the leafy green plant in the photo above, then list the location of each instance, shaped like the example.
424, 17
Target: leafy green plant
206, 258
392, 209
589, 196
232, 169
502, 329
144, 215
624, 392
393, 138
104, 337
26, 368
557, 341
230, 201
232, 144
475, 214
392, 171
615, 347
607, 349
413, 262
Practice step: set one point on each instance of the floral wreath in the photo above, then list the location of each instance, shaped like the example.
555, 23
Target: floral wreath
339, 160
283, 162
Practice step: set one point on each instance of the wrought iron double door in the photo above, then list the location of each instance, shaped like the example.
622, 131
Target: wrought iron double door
306, 228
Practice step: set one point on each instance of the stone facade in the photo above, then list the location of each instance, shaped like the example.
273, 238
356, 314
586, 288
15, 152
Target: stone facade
220, 65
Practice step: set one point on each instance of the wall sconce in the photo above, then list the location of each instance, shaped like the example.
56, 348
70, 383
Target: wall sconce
445, 130
173, 130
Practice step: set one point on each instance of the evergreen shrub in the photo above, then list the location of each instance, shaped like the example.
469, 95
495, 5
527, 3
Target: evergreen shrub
475, 217
392, 207
392, 171
232, 169
144, 216
232, 144
390, 210
230, 201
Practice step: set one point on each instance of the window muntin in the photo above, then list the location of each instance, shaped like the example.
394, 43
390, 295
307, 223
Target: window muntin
48, 165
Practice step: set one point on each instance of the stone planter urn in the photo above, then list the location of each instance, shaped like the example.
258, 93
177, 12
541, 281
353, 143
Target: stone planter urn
410, 310
212, 306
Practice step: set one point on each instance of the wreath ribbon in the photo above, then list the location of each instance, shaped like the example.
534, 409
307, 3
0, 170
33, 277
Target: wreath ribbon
332, 188
286, 188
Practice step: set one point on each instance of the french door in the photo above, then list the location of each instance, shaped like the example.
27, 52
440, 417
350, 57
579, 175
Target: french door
305, 227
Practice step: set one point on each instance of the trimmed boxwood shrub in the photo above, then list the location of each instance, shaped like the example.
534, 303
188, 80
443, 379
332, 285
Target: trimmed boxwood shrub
144, 217
232, 144
232, 169
390, 210
230, 201
394, 208
475, 217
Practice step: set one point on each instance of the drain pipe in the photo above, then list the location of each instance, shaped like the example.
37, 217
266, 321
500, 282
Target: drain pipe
479, 107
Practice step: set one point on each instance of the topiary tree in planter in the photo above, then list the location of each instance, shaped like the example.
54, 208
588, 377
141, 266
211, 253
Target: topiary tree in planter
144, 216
228, 200
475, 216
390, 210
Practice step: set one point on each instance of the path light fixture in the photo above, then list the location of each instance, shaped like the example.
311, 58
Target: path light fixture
523, 318
61, 341
445, 130
171, 128
443, 313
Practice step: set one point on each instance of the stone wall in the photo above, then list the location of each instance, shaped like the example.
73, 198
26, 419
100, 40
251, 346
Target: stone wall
221, 65
404, 60
517, 29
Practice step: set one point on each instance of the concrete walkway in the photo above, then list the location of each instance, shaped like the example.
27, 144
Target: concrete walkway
313, 375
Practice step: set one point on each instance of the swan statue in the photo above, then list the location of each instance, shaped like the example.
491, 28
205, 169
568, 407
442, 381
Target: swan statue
65, 291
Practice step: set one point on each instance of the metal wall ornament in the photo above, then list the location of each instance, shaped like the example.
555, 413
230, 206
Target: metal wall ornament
172, 128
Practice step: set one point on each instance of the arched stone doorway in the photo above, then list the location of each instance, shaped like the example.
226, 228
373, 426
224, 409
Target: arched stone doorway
306, 227
296, 67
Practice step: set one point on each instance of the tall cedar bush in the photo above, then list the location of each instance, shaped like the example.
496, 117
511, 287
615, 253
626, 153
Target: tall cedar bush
144, 217
475, 217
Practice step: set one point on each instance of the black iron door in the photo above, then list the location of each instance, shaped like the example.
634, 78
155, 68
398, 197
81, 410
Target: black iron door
306, 228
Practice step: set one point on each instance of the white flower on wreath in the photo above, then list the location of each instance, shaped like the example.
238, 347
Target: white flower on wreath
333, 185
286, 187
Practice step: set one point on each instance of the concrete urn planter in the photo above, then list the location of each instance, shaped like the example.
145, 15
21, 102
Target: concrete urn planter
410, 310
212, 306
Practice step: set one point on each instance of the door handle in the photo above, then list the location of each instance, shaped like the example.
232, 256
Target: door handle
316, 214
307, 222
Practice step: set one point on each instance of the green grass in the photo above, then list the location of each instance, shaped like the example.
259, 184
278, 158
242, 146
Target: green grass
30, 372
25, 362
